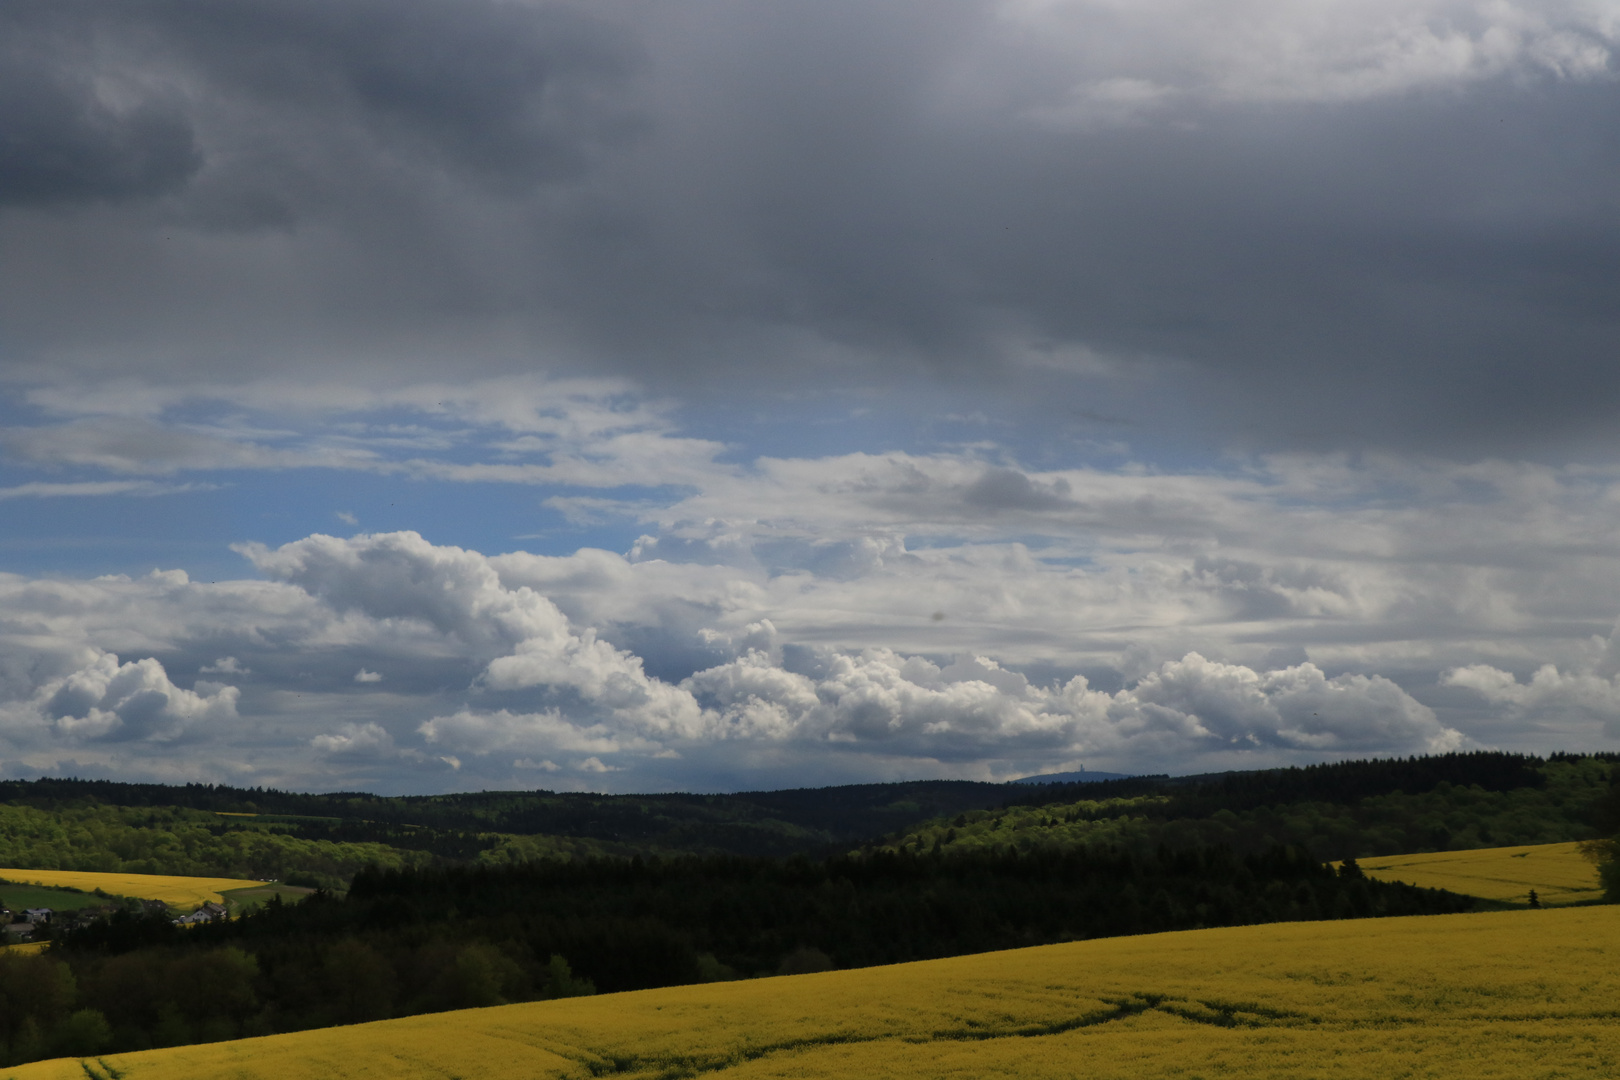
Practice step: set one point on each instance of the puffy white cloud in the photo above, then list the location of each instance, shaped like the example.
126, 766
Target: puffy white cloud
602, 676
130, 701
1297, 707
361, 740
975, 708
1567, 700
400, 576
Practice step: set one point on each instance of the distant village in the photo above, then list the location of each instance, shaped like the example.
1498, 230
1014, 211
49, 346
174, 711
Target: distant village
35, 924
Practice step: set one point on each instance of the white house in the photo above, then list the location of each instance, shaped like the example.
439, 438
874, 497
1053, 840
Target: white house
207, 913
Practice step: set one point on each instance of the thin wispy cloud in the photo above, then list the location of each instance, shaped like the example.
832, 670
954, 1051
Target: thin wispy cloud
40, 489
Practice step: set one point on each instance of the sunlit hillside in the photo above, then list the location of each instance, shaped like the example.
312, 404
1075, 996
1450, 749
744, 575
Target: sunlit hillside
1557, 872
1503, 994
182, 892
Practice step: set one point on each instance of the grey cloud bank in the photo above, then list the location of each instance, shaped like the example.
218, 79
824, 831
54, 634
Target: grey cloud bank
1357, 223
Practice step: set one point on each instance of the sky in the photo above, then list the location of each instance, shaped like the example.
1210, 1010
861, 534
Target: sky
440, 395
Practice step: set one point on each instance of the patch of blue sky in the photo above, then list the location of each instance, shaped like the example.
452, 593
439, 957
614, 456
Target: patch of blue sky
193, 529
482, 516
89, 535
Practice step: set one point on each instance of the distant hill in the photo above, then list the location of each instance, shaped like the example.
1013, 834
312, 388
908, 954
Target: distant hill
1084, 776
1351, 808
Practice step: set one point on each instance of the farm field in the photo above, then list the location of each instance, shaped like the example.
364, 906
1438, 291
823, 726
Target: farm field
1500, 994
18, 897
181, 892
1558, 873
251, 896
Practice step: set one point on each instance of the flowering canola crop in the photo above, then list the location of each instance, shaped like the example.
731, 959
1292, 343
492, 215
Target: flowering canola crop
183, 892
1559, 873
1521, 994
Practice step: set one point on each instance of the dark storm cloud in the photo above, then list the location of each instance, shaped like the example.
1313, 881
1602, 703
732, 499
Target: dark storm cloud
101, 98
61, 141
794, 193
511, 91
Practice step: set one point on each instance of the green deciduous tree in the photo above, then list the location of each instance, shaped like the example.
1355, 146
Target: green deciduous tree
82, 1033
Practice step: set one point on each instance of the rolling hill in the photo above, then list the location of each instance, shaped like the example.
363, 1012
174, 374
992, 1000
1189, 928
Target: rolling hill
1522, 994
1558, 873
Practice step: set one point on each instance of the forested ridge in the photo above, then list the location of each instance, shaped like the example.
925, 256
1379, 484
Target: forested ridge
1342, 782
99, 821
1335, 810
1362, 809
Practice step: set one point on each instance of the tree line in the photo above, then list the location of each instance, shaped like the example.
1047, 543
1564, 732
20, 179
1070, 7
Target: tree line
1343, 783
1365, 809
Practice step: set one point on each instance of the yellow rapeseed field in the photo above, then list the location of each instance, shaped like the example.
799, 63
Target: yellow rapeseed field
1520, 994
1558, 873
181, 892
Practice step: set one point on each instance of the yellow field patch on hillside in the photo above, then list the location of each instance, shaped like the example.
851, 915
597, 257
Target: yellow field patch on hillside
25, 947
182, 892
1522, 994
251, 896
1558, 873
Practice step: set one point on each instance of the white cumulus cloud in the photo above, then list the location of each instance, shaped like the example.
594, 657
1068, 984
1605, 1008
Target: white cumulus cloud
1560, 699
130, 701
363, 740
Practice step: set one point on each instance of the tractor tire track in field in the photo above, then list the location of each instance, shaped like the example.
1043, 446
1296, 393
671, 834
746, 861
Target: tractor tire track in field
1212, 1012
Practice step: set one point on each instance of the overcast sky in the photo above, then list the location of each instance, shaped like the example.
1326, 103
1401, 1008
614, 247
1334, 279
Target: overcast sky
427, 395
